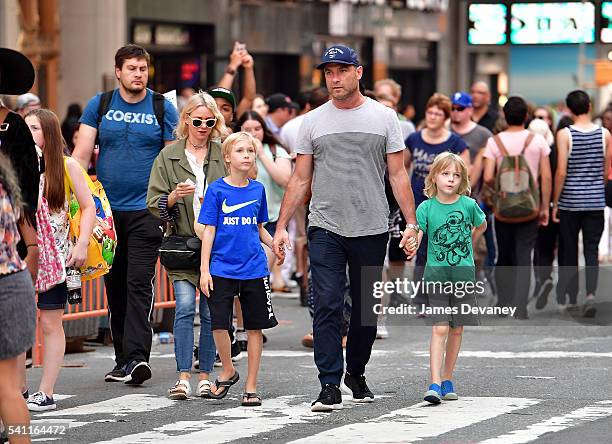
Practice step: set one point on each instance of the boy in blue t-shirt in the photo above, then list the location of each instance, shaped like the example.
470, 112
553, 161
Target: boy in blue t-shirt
234, 262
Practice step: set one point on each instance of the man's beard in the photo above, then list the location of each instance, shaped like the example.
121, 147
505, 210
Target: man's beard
347, 93
133, 90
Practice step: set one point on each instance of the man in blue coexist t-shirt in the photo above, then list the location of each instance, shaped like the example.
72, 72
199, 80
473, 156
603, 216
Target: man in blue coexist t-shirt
130, 138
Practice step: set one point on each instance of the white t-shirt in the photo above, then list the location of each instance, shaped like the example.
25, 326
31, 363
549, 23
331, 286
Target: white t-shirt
198, 171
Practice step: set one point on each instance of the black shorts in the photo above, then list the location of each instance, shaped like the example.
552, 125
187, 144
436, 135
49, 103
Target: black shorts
454, 316
255, 300
270, 227
54, 298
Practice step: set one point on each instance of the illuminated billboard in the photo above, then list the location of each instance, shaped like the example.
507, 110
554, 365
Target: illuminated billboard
544, 23
487, 24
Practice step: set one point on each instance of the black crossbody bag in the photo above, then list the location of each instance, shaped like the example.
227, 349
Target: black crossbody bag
178, 252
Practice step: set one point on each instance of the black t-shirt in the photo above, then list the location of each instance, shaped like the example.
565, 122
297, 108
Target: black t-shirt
489, 119
17, 144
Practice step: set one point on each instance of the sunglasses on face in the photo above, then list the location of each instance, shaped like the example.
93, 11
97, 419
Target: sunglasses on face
210, 123
458, 108
540, 117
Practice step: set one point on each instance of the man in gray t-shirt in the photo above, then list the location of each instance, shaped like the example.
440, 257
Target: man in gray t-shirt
341, 151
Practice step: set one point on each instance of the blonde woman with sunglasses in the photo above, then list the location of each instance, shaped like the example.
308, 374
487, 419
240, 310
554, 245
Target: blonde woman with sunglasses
179, 178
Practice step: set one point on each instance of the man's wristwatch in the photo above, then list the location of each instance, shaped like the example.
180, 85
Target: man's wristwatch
414, 227
230, 71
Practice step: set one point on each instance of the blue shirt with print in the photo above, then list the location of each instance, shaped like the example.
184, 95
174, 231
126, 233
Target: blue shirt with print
130, 140
423, 155
237, 252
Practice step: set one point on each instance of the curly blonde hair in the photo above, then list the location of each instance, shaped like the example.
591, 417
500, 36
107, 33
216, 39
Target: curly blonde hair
441, 163
219, 131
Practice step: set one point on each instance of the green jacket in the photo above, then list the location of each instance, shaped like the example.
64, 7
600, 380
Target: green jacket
171, 167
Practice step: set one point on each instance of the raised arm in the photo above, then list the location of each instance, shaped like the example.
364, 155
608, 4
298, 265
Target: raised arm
249, 86
231, 70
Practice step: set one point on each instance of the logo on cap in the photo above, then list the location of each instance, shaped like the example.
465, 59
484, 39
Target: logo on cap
333, 52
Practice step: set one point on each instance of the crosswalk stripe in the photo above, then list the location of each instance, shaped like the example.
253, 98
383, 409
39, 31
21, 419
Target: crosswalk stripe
231, 424
543, 354
120, 406
421, 421
580, 416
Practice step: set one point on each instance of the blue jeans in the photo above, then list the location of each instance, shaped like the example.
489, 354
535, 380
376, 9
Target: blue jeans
184, 293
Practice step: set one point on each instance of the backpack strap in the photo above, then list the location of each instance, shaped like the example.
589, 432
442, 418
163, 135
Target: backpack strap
527, 141
159, 102
103, 106
500, 145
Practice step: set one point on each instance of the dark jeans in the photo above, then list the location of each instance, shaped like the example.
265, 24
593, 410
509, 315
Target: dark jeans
515, 243
130, 284
329, 255
544, 252
591, 223
489, 236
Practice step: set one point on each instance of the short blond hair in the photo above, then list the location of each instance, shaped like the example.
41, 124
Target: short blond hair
197, 100
440, 163
396, 88
233, 139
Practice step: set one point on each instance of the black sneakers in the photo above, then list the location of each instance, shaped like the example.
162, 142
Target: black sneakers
116, 375
137, 372
356, 385
329, 399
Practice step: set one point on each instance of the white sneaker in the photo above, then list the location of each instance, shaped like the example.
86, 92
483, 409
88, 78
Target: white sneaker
561, 308
382, 332
40, 402
180, 391
204, 388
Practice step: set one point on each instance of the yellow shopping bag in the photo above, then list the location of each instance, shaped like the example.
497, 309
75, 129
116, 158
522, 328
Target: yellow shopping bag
103, 241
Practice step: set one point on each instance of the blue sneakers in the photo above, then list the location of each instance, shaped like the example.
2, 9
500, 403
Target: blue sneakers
448, 391
434, 394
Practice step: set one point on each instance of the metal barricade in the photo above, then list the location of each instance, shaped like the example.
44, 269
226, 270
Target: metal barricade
94, 304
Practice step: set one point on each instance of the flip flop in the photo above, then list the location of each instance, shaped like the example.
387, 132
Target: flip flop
224, 385
251, 399
283, 289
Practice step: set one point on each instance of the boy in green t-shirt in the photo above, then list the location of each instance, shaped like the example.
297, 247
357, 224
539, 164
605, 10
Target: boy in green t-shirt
451, 220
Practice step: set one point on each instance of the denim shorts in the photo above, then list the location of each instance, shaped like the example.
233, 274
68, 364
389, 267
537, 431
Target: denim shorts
54, 298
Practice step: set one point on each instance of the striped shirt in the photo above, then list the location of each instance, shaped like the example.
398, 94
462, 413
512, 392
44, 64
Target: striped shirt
584, 189
349, 149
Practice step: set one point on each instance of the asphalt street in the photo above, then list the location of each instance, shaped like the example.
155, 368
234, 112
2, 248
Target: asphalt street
516, 384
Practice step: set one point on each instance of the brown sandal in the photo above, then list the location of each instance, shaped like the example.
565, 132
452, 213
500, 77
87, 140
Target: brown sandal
251, 399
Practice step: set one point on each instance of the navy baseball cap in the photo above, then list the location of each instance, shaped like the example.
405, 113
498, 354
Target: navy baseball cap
462, 98
339, 54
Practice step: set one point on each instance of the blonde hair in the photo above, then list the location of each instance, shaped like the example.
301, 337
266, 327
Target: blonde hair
440, 163
197, 100
233, 139
396, 88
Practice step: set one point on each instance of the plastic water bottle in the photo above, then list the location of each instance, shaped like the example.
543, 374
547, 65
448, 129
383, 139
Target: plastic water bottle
73, 282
